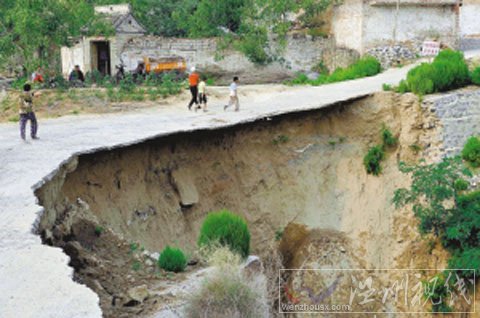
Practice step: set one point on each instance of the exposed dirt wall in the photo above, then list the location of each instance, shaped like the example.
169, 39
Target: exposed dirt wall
304, 168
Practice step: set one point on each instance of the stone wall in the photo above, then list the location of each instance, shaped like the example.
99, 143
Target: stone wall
459, 116
396, 54
300, 54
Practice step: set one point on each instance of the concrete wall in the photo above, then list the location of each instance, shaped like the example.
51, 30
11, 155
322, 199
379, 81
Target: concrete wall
384, 24
469, 18
301, 53
361, 25
347, 24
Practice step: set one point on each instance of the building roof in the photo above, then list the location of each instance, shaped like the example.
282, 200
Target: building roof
121, 18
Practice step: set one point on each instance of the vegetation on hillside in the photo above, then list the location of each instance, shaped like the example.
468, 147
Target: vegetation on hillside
449, 209
448, 71
172, 259
366, 66
31, 31
376, 154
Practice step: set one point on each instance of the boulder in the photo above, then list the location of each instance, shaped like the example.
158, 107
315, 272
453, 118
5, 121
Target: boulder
137, 294
183, 182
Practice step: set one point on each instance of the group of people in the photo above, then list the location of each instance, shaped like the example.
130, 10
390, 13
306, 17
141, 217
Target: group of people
198, 89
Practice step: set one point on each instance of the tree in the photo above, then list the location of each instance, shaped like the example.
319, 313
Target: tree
33, 30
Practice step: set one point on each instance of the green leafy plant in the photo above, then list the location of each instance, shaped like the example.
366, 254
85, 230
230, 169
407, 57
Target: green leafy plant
438, 199
278, 234
448, 71
437, 289
471, 151
475, 76
372, 160
386, 87
133, 247
387, 137
228, 229
99, 230
461, 185
172, 260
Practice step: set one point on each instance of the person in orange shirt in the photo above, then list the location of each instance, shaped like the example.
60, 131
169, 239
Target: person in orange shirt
193, 80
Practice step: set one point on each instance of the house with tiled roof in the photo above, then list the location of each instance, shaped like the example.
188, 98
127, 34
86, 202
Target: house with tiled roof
99, 52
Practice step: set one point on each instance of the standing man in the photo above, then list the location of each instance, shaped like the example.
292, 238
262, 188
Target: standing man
27, 113
193, 81
233, 95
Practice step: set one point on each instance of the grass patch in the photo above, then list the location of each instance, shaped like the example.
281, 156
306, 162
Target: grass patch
14, 119
366, 66
387, 87
226, 292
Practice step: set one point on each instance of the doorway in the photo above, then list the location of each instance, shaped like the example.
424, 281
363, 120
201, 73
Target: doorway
101, 57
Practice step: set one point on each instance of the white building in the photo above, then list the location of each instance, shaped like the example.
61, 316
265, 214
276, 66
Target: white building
363, 24
100, 53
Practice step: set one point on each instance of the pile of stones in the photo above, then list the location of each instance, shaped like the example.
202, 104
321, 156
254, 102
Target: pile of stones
393, 55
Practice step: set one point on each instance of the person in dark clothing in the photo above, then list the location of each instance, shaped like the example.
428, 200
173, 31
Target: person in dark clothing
193, 80
76, 75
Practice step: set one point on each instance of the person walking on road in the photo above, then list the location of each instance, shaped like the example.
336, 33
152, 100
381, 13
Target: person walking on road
193, 81
202, 94
27, 113
233, 95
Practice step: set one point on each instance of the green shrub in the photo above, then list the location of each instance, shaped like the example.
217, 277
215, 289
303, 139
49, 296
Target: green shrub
172, 260
471, 151
366, 66
461, 185
228, 229
373, 159
434, 187
386, 87
476, 76
402, 87
387, 137
468, 259
448, 71
439, 291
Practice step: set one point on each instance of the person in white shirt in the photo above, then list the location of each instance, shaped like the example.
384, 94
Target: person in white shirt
202, 94
233, 95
